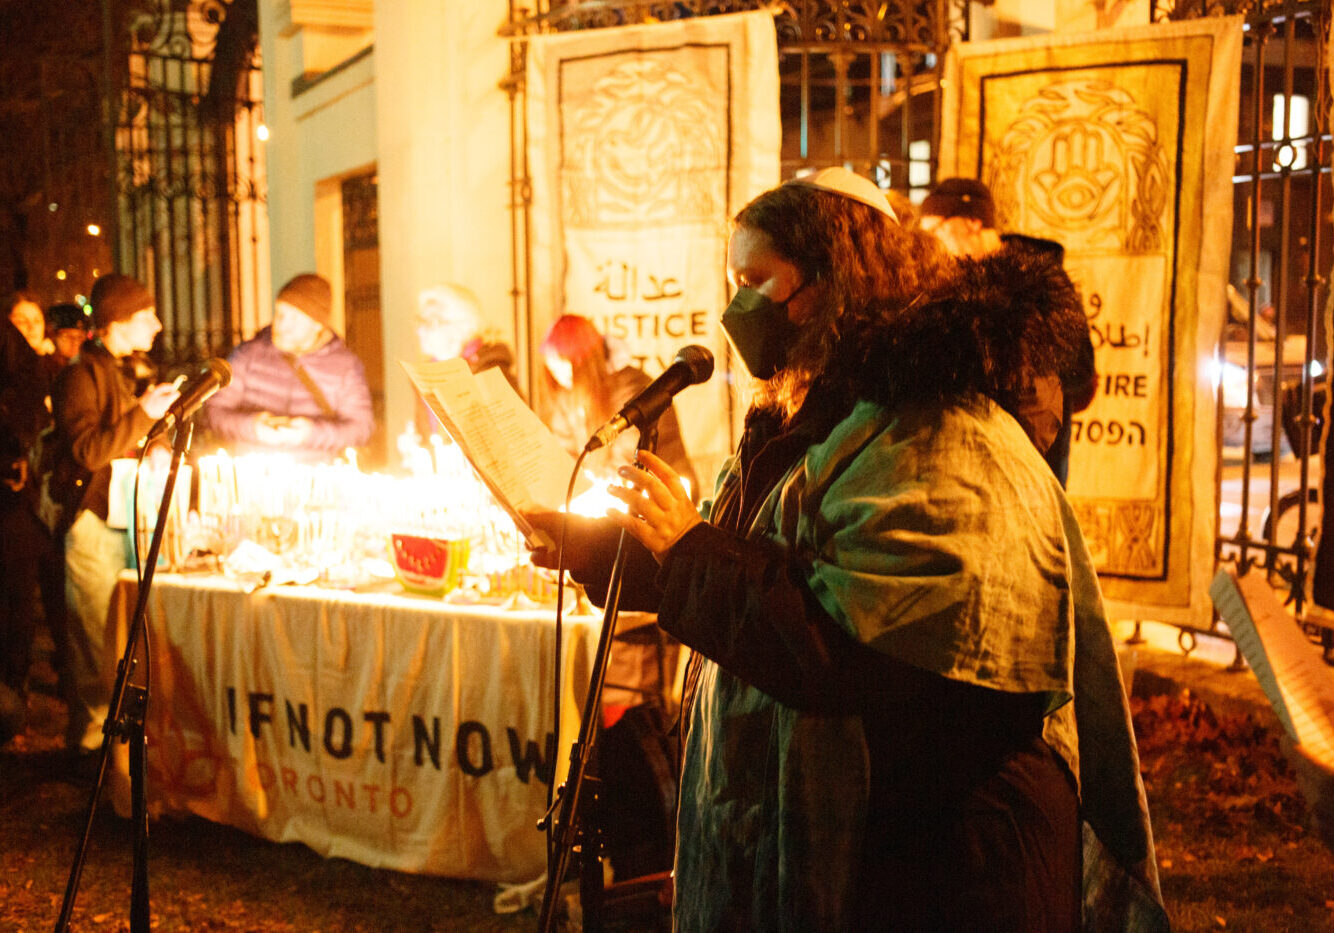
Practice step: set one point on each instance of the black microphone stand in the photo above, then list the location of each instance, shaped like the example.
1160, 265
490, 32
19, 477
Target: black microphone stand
577, 826
125, 722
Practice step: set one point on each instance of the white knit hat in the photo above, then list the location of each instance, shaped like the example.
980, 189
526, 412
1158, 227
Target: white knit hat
849, 184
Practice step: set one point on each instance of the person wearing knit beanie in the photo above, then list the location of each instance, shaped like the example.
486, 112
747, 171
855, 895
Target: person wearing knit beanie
296, 386
303, 315
68, 326
99, 416
117, 297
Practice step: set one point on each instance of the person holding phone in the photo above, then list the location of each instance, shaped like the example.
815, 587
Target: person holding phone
98, 418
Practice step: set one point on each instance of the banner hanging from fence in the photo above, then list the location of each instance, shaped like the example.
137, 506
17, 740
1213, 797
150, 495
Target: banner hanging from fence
1118, 144
643, 141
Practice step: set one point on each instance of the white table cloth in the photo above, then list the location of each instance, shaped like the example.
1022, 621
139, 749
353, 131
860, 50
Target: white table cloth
394, 731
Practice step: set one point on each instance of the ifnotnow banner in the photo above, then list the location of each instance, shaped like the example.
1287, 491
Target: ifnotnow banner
398, 733
643, 141
1118, 144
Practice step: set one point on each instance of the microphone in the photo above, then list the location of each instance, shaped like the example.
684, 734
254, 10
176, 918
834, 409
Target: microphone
215, 374
693, 364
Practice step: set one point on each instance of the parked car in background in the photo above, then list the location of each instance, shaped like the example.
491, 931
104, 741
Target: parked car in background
1269, 389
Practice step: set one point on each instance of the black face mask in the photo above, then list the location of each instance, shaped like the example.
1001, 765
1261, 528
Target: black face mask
759, 330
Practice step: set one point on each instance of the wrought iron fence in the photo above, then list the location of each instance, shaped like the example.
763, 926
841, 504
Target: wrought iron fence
189, 176
860, 87
1273, 387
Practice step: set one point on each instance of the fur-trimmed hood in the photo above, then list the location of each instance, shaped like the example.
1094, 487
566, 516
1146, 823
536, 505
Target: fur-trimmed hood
1002, 322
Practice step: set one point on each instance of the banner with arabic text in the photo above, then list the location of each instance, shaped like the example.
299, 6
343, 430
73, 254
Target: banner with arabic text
643, 141
1118, 144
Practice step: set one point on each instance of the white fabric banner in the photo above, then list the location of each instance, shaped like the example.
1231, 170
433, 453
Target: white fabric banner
397, 732
643, 142
1118, 145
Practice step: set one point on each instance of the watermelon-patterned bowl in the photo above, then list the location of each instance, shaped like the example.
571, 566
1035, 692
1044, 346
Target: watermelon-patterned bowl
429, 566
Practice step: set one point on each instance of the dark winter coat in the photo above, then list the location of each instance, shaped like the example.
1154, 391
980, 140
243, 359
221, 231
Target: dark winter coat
23, 387
892, 593
97, 419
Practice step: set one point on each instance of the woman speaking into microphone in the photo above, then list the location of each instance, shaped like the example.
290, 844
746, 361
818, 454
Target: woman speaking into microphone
894, 619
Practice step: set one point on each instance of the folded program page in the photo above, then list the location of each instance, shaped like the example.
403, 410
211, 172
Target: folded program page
515, 454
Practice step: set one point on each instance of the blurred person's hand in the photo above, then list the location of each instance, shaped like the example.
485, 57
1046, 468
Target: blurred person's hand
281, 430
299, 430
19, 477
269, 428
157, 399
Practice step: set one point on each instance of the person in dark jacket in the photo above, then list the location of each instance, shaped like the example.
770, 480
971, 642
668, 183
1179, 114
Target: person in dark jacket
22, 413
98, 418
907, 700
961, 214
296, 386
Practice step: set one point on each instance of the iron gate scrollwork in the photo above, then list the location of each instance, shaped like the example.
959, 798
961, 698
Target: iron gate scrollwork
190, 171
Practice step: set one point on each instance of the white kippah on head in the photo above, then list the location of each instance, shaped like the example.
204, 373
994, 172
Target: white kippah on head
850, 185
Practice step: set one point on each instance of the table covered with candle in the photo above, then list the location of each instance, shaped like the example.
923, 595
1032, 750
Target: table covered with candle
309, 685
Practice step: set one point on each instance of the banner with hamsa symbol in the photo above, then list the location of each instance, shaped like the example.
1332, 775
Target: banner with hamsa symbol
643, 142
1118, 145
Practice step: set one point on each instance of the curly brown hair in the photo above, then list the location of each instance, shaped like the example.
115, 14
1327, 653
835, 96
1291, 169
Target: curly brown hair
864, 268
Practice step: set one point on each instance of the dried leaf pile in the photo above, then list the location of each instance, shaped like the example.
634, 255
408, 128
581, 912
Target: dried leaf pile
1236, 850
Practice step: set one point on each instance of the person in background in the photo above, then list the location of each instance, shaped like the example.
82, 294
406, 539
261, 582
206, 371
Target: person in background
296, 386
26, 314
582, 390
22, 413
449, 324
904, 209
98, 418
31, 561
67, 327
906, 699
961, 214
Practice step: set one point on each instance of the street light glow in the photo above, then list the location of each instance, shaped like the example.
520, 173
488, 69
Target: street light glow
94, 230
60, 274
262, 132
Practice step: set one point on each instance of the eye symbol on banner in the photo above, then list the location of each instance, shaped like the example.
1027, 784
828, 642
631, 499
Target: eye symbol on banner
1088, 163
1079, 186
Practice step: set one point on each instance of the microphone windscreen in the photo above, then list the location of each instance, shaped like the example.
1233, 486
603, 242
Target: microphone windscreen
698, 360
